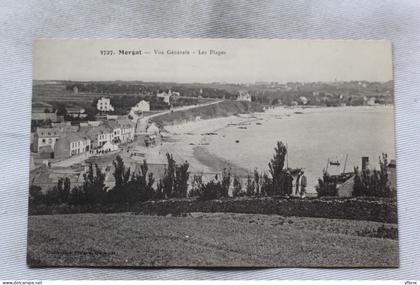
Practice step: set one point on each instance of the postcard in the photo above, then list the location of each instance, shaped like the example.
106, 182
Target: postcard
212, 153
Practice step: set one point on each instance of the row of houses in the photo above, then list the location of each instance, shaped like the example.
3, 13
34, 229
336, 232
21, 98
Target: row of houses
62, 140
104, 103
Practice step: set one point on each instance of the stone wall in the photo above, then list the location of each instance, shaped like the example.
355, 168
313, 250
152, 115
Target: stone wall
379, 210
383, 210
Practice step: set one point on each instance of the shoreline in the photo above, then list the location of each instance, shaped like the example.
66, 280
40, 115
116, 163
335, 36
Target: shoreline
198, 140
216, 164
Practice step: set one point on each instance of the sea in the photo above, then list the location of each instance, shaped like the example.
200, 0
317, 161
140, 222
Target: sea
314, 137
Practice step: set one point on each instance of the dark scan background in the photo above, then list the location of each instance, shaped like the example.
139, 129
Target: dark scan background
21, 21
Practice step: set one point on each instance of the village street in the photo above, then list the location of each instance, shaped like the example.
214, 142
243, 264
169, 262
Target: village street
72, 160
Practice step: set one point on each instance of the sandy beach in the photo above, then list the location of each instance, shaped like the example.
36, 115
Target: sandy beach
189, 141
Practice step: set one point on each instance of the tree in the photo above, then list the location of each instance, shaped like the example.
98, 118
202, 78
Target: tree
168, 179
36, 196
266, 185
149, 191
121, 174
94, 189
140, 187
91, 113
250, 187
276, 168
65, 190
61, 110
52, 197
196, 185
60, 193
210, 191
327, 185
257, 182
181, 180
159, 194
225, 183
77, 196
175, 179
373, 183
237, 187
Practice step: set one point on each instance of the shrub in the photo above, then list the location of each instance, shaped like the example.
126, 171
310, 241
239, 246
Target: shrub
196, 186
327, 185
36, 196
373, 183
266, 185
210, 191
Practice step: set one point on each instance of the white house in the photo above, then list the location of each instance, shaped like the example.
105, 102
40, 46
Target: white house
303, 100
142, 106
244, 96
127, 129
115, 130
152, 129
98, 135
71, 144
45, 139
107, 147
166, 96
153, 135
104, 105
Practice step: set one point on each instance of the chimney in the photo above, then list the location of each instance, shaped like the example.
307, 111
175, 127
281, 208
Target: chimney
365, 162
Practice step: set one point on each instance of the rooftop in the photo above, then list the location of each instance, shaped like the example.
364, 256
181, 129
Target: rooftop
48, 132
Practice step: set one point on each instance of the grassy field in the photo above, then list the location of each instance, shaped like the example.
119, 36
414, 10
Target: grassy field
205, 239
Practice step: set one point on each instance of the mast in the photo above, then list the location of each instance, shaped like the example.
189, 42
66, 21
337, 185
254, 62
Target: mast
345, 163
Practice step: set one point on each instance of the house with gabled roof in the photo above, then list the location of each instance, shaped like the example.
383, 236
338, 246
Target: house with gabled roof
98, 136
127, 129
45, 138
115, 129
71, 144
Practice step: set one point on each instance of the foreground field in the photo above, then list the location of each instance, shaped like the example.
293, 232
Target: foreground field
204, 239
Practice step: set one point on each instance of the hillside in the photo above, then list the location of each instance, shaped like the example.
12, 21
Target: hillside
222, 109
204, 239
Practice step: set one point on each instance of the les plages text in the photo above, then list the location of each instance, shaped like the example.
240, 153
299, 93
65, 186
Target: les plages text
123, 52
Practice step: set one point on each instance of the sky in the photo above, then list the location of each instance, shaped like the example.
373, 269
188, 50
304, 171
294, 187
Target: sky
243, 61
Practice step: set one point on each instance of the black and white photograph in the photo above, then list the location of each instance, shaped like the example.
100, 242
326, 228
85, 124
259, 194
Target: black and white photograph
212, 153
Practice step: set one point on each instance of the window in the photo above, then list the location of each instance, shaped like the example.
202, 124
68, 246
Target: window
49, 140
43, 140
